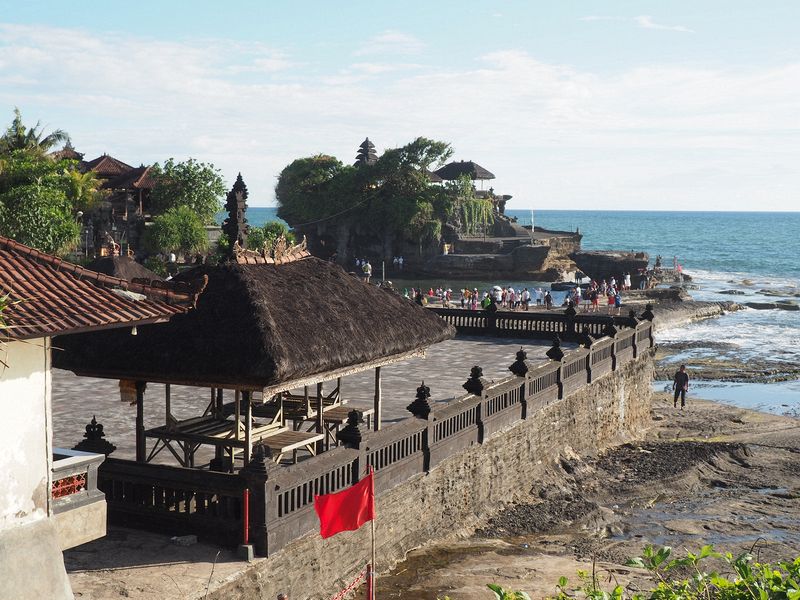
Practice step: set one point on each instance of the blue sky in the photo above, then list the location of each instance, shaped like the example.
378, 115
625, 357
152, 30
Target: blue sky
583, 105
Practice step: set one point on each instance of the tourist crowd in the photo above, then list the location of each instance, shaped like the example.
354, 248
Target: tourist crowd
607, 293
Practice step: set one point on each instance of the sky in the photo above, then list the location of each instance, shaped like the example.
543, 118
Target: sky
615, 105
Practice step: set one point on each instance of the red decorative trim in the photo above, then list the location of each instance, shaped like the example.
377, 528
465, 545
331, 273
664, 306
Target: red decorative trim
68, 485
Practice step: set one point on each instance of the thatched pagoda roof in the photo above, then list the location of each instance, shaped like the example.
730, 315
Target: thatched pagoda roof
456, 169
106, 166
264, 326
123, 267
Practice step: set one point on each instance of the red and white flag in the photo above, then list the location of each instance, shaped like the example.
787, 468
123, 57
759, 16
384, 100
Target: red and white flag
346, 510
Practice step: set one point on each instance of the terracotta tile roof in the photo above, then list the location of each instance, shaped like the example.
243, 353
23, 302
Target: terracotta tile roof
49, 296
139, 178
106, 166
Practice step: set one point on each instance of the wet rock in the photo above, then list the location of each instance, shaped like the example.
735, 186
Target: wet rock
732, 292
762, 305
787, 305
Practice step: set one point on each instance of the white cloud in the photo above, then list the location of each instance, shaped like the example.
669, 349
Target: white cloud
646, 22
555, 135
642, 21
391, 42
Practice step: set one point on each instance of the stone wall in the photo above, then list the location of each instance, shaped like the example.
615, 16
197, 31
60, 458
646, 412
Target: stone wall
461, 490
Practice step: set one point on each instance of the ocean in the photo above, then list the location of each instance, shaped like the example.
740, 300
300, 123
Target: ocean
742, 251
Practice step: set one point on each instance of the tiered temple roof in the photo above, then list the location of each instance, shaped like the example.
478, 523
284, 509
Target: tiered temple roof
366, 153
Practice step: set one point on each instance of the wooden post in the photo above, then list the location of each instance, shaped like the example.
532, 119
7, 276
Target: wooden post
238, 414
376, 419
167, 404
320, 418
248, 427
141, 450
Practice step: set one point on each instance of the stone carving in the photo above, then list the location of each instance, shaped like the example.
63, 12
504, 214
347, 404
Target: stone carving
350, 435
421, 406
93, 440
520, 366
476, 382
555, 353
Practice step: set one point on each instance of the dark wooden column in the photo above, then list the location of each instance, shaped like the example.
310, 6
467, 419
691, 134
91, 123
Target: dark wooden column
248, 427
376, 418
320, 417
141, 449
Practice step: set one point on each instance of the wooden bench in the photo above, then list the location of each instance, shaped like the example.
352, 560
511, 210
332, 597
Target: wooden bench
285, 440
190, 434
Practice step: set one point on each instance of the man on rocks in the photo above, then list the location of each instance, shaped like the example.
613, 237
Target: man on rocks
680, 383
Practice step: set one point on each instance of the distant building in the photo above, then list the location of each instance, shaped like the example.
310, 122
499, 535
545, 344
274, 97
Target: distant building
118, 222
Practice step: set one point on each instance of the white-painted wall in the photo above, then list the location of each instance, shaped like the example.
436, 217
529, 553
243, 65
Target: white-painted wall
25, 432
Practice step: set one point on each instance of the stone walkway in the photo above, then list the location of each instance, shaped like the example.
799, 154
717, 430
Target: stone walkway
444, 368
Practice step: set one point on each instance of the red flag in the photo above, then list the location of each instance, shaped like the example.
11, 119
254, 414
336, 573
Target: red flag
346, 510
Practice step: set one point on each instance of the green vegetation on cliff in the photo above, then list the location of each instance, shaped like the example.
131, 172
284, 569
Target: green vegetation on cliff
391, 197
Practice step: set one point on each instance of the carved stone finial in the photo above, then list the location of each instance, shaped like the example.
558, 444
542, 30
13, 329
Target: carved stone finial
570, 312
520, 366
476, 382
235, 226
585, 338
648, 312
93, 440
555, 353
350, 435
421, 406
610, 329
260, 461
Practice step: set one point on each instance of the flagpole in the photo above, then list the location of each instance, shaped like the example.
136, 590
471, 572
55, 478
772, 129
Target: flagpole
372, 527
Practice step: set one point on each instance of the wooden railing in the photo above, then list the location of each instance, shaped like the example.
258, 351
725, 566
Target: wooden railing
282, 497
174, 499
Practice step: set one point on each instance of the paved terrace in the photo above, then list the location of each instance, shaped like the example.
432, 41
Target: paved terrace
445, 367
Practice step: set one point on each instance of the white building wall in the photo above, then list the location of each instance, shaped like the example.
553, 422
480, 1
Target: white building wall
25, 432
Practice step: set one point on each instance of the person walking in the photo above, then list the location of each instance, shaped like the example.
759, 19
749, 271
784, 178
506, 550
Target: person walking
680, 383
366, 268
548, 301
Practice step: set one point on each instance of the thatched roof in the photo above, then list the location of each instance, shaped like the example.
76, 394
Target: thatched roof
264, 326
123, 267
454, 170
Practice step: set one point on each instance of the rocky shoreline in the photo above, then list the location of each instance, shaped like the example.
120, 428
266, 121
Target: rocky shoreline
711, 474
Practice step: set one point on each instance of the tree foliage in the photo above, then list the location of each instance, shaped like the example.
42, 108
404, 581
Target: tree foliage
196, 185
393, 196
178, 230
271, 231
40, 216
20, 137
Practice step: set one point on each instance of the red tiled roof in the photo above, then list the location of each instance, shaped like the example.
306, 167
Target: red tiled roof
49, 296
135, 179
106, 166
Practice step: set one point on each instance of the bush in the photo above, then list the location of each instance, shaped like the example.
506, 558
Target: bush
178, 230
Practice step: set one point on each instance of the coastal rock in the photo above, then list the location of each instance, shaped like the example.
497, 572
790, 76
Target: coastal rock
602, 264
787, 305
732, 292
762, 305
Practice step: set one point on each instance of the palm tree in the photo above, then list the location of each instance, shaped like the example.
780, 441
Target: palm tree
19, 137
83, 189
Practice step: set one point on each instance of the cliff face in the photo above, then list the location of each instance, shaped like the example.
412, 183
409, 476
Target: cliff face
523, 262
603, 264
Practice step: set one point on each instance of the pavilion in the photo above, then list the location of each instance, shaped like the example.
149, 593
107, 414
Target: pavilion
271, 328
